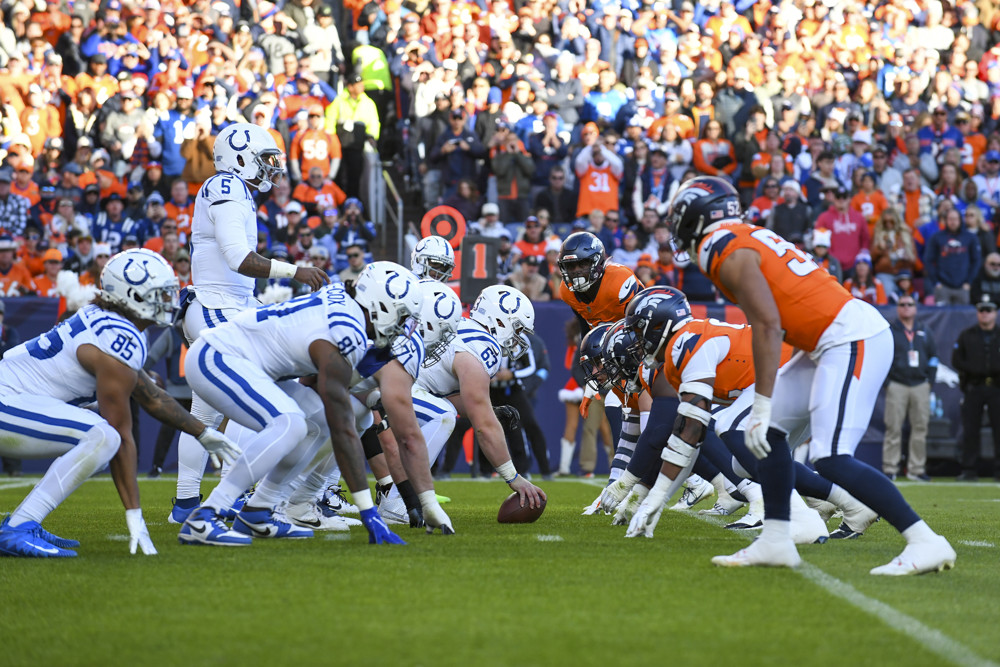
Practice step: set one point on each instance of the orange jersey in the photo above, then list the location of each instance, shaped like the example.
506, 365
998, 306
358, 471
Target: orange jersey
598, 189
17, 275
183, 215
40, 124
617, 288
315, 148
871, 206
972, 150
31, 193
733, 373
329, 196
808, 298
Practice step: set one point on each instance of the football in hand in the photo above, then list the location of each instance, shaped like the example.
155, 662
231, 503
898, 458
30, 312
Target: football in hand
512, 512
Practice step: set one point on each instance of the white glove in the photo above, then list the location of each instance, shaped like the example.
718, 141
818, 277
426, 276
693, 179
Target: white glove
138, 534
593, 507
617, 491
220, 448
628, 508
434, 516
648, 514
756, 433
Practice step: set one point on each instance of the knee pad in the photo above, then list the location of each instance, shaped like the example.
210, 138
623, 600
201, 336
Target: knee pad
291, 428
104, 440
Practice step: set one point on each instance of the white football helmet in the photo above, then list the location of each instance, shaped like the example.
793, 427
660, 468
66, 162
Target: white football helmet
439, 318
434, 258
142, 283
249, 151
508, 315
392, 297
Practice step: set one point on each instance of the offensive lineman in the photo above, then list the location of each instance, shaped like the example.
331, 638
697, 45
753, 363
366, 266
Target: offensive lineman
224, 266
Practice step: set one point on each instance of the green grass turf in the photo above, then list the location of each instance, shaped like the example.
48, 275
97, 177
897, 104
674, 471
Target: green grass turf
490, 595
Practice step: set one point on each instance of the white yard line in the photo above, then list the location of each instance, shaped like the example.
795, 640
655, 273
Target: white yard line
977, 543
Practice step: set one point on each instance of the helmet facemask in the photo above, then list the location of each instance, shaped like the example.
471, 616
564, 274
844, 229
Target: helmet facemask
580, 274
270, 164
436, 268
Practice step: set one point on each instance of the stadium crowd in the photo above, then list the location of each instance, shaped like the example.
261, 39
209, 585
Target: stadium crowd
865, 132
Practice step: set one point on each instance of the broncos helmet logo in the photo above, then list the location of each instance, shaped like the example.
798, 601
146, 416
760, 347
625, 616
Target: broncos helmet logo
232, 136
138, 281
509, 311
388, 286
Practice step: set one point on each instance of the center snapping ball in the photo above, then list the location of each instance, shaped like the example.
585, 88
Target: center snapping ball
512, 512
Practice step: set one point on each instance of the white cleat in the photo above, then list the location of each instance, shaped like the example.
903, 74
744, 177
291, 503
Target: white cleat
825, 508
307, 516
932, 556
393, 510
762, 554
807, 524
696, 490
335, 501
753, 519
724, 506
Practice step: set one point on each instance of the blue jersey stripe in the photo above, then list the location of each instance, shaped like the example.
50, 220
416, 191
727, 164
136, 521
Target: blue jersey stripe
428, 406
245, 386
44, 419
203, 366
207, 315
41, 435
218, 314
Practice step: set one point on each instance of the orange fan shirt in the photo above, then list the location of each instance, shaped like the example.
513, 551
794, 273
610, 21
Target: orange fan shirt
315, 148
598, 189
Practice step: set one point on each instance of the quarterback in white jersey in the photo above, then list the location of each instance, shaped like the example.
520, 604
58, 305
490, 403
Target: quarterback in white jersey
461, 368
97, 354
224, 264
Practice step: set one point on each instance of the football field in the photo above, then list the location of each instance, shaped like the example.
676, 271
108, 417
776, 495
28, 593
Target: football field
567, 590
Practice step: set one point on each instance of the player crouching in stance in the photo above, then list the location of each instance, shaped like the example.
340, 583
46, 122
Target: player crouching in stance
459, 366
99, 350
829, 387
238, 369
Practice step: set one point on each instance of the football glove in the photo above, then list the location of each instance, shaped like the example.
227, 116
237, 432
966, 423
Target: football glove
617, 491
756, 433
416, 517
138, 533
508, 416
648, 515
378, 532
220, 448
627, 509
435, 517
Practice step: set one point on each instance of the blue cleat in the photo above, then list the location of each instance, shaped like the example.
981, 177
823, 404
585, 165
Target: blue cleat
230, 514
204, 526
28, 540
182, 509
265, 523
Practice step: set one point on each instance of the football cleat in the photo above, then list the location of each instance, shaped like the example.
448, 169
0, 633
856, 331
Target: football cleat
308, 516
754, 518
696, 489
29, 540
807, 526
393, 510
230, 513
723, 507
762, 554
182, 509
935, 555
263, 523
335, 501
442, 499
204, 526
825, 508
857, 518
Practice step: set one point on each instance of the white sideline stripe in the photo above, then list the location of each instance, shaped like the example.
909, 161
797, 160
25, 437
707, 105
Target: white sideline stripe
549, 538
118, 538
933, 640
337, 537
976, 543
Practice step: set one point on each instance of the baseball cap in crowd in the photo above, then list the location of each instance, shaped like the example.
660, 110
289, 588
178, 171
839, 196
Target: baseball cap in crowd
93, 188
862, 137
48, 191
185, 93
822, 237
99, 58
457, 113
903, 275
5, 176
324, 10
489, 208
553, 245
153, 164
114, 196
534, 260
154, 198
580, 224
102, 249
130, 239
986, 303
84, 142
54, 142
319, 252
354, 78
504, 233
879, 148
72, 168
293, 207
495, 96
592, 127
895, 120
183, 254
7, 242
100, 154
992, 156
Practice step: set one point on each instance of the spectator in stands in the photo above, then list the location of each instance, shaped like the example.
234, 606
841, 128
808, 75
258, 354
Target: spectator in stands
848, 228
489, 224
974, 223
821, 253
599, 171
565, 91
31, 250
547, 150
354, 118
13, 208
171, 129
528, 280
513, 168
112, 226
318, 193
15, 279
353, 227
91, 274
355, 253
506, 255
863, 284
23, 185
299, 250
761, 209
907, 394
46, 282
557, 199
465, 200
976, 357
869, 201
456, 152
314, 147
182, 267
319, 257
80, 249
629, 252
988, 281
532, 242
892, 248
988, 181
888, 179
791, 216
952, 260
713, 153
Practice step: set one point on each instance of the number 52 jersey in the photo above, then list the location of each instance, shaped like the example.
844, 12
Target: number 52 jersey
48, 366
816, 311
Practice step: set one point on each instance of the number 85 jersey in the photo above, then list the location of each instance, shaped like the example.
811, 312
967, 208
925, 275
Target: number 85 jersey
808, 298
440, 379
48, 366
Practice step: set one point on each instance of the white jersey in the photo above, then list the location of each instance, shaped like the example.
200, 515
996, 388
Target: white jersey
48, 365
276, 338
225, 217
440, 378
407, 351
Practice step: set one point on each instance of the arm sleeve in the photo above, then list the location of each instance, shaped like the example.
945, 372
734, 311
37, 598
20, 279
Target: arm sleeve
583, 160
229, 234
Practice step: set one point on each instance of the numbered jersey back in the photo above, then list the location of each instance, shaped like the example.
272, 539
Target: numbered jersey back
440, 379
218, 199
277, 337
48, 365
808, 298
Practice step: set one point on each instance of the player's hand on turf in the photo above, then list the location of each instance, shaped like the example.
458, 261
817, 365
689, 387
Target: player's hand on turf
416, 517
594, 507
613, 493
435, 517
310, 275
530, 494
627, 508
220, 448
757, 425
645, 519
138, 533
378, 532
508, 416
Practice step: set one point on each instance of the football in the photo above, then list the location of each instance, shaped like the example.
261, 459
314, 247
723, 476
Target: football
512, 512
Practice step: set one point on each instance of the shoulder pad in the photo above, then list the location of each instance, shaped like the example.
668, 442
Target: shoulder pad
119, 338
225, 187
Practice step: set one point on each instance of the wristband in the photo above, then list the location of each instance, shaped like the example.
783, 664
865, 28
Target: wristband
282, 270
507, 471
